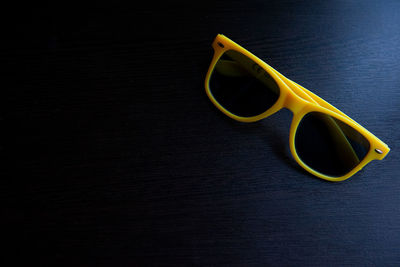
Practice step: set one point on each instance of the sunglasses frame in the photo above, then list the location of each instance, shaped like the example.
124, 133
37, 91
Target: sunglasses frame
298, 100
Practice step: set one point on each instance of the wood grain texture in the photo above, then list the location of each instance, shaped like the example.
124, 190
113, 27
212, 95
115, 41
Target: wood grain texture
123, 161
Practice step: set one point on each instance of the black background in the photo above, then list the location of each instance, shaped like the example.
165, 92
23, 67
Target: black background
118, 158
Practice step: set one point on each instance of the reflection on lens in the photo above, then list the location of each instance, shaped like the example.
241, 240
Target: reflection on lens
241, 86
328, 145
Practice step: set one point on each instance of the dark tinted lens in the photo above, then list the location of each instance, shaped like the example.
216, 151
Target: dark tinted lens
241, 86
329, 145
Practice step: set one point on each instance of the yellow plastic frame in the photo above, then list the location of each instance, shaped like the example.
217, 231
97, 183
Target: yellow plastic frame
298, 100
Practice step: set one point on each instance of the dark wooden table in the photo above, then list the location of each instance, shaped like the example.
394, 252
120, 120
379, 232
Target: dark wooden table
119, 159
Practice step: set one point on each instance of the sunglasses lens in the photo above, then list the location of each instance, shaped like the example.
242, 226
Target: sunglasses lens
328, 145
241, 86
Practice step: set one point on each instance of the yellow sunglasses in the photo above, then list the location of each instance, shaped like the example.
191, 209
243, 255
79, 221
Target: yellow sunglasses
323, 140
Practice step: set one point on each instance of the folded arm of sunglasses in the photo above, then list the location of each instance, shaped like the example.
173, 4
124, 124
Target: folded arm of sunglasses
316, 99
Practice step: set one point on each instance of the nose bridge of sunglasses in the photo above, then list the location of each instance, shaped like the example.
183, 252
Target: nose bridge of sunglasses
293, 102
296, 98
